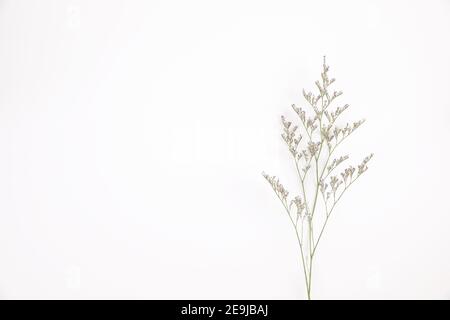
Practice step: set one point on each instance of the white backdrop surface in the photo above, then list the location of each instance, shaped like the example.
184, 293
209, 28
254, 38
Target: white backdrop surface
133, 135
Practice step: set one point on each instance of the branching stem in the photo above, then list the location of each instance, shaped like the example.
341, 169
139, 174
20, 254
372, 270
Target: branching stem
328, 133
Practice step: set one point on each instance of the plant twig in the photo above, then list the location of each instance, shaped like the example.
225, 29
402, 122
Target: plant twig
320, 129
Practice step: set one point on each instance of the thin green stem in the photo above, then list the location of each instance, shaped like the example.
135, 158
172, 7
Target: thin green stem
331, 210
298, 240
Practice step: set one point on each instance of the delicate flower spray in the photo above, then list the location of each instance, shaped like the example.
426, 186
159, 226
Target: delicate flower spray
317, 166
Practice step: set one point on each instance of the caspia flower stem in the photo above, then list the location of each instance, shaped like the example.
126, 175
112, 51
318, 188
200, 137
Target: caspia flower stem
319, 131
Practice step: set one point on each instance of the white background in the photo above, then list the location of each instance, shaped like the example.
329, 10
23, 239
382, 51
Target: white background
133, 135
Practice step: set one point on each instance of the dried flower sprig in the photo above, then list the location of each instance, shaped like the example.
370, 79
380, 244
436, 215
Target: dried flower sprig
314, 158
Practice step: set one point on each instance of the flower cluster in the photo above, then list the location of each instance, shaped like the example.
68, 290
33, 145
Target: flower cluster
363, 166
336, 162
345, 179
289, 136
331, 117
313, 148
300, 206
277, 186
